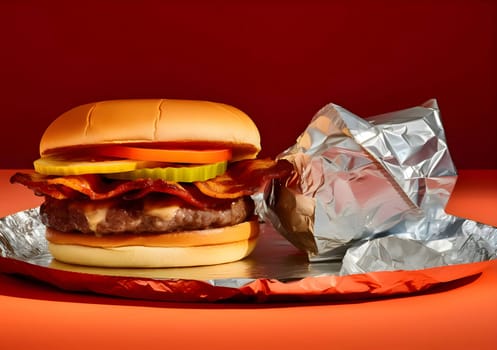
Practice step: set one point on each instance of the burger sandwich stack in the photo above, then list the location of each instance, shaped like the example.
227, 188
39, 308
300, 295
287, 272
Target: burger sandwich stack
150, 183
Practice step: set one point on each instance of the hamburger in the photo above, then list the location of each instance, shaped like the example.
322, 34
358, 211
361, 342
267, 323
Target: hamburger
150, 183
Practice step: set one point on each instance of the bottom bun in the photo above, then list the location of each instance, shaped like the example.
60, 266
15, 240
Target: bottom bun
152, 257
225, 245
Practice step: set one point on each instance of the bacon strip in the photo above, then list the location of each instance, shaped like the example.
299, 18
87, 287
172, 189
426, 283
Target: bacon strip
242, 178
245, 178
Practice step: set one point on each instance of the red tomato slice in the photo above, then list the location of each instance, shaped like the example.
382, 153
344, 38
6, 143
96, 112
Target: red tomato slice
167, 155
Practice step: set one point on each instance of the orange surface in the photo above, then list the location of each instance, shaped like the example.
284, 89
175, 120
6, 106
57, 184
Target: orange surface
475, 196
462, 316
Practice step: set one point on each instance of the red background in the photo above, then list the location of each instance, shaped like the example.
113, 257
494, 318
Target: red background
279, 61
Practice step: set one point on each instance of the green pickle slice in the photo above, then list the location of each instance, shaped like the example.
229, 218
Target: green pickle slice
60, 166
177, 174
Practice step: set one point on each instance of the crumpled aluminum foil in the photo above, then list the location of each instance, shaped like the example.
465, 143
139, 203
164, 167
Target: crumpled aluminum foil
372, 192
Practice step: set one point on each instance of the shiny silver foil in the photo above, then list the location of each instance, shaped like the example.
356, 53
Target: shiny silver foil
464, 241
22, 236
373, 191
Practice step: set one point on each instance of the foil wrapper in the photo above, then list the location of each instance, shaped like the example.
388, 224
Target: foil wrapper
372, 192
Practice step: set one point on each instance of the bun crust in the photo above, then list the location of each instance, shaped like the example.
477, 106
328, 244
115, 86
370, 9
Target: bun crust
152, 257
146, 121
177, 251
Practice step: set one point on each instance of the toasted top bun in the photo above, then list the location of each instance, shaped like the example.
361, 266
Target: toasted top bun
147, 121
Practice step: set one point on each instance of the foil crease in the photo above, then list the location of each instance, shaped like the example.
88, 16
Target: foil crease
22, 236
372, 192
466, 242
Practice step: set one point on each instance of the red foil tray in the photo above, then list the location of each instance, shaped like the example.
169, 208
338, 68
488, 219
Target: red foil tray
276, 271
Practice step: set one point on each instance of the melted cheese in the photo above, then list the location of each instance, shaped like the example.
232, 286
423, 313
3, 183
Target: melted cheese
95, 216
165, 213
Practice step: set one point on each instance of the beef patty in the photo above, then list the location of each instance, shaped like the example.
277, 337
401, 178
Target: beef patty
153, 213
